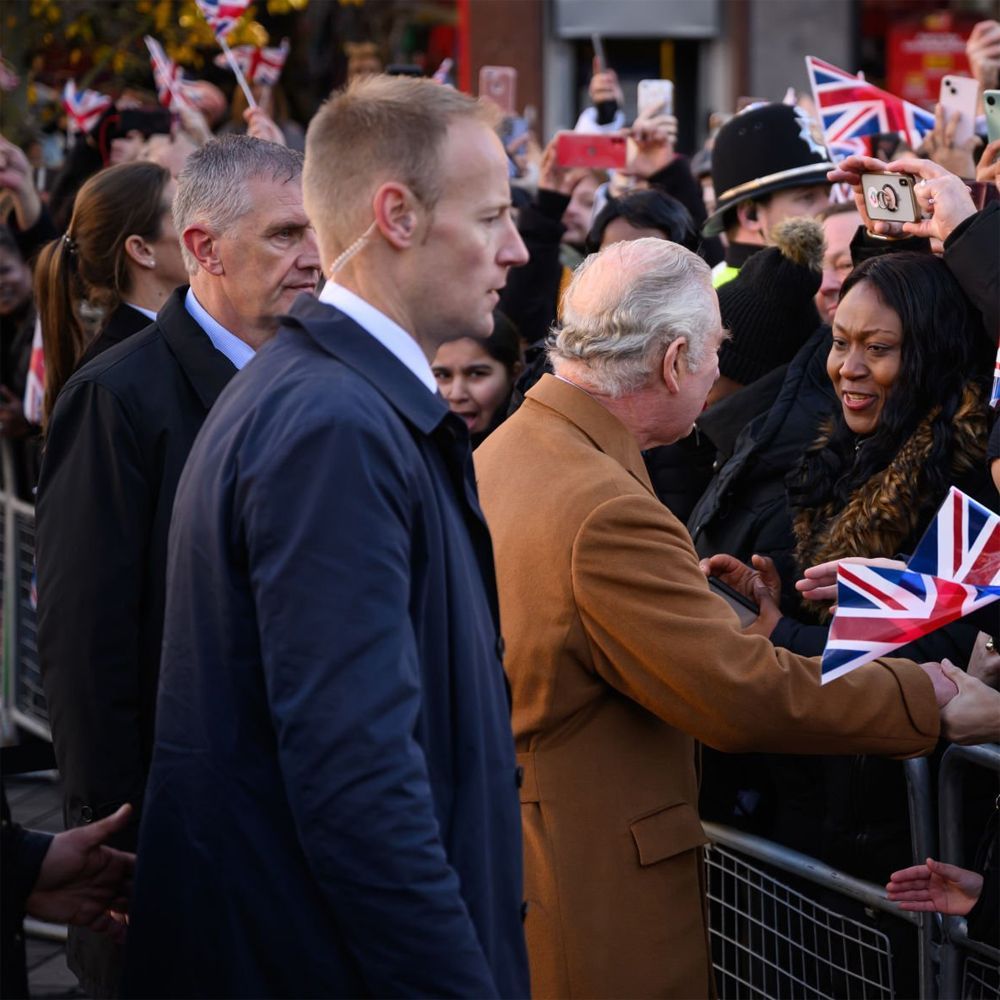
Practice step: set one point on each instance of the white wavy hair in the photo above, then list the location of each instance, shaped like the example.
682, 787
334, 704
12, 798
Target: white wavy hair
626, 305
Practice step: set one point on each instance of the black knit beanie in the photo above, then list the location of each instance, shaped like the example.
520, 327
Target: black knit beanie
768, 307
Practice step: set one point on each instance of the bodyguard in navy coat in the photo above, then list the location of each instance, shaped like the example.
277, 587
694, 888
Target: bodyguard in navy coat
332, 807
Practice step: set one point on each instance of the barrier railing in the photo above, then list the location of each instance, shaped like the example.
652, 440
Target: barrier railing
772, 939
969, 968
21, 690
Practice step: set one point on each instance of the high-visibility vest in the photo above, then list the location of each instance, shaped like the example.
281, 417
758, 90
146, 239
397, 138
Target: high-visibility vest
723, 272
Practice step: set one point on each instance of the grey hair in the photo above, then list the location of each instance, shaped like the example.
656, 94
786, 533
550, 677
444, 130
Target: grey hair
212, 189
626, 305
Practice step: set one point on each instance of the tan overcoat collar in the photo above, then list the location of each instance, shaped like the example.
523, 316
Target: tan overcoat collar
603, 428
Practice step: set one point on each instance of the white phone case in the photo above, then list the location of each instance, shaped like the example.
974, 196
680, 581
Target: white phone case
656, 92
958, 96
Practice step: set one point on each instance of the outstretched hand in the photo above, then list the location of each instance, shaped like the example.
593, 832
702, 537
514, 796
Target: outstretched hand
261, 126
651, 143
759, 582
84, 882
17, 185
819, 582
973, 715
935, 887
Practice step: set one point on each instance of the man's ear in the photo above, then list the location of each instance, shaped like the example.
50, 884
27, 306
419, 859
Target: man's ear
397, 214
672, 361
203, 246
747, 213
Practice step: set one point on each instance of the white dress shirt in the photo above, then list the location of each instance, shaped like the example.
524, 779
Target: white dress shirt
148, 313
238, 351
386, 331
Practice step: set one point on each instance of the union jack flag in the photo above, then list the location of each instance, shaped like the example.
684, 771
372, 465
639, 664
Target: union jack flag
34, 390
962, 543
258, 65
852, 111
167, 76
995, 391
83, 108
222, 15
954, 571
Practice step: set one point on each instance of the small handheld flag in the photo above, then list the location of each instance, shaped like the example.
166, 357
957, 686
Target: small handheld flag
852, 110
222, 16
83, 108
954, 571
167, 76
995, 391
258, 65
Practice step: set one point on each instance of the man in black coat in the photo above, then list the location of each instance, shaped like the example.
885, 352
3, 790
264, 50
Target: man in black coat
119, 435
334, 765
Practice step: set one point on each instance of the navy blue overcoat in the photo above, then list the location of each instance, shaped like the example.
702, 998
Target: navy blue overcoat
332, 806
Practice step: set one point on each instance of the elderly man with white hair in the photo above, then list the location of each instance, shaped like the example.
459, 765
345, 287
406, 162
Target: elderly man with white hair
620, 657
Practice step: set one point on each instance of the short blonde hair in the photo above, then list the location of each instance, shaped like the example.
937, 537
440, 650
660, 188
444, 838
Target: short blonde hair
379, 128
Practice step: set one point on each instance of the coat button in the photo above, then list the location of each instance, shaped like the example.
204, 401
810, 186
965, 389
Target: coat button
501, 647
86, 814
519, 776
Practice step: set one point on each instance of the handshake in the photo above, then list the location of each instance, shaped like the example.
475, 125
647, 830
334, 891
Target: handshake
968, 700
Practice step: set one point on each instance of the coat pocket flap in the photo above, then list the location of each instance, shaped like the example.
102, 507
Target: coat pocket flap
667, 832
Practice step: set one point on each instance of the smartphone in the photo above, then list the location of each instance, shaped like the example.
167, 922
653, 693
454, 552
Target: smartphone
959, 96
991, 105
403, 69
890, 197
656, 93
600, 59
598, 152
499, 84
746, 610
511, 129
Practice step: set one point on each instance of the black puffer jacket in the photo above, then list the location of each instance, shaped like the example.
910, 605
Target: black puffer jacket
745, 508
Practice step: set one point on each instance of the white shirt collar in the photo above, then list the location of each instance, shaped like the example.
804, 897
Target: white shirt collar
238, 351
386, 331
148, 313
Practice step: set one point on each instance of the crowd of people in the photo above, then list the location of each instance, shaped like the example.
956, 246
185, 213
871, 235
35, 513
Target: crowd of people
378, 489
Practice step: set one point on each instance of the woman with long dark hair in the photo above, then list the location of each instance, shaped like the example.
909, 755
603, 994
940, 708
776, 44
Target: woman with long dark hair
118, 260
912, 419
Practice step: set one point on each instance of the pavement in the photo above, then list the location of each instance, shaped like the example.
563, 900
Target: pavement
36, 801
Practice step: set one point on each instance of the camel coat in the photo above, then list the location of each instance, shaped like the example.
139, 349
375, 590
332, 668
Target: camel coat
619, 658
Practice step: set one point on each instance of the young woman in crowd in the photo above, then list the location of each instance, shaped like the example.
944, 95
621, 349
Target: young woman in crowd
476, 376
119, 260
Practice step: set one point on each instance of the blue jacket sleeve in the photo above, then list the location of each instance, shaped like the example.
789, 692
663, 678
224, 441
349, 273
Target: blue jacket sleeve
330, 536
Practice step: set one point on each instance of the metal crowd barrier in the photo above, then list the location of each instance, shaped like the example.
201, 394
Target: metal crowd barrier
772, 939
21, 691
969, 968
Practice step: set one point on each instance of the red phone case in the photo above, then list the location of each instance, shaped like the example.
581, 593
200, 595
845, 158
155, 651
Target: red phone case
598, 152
